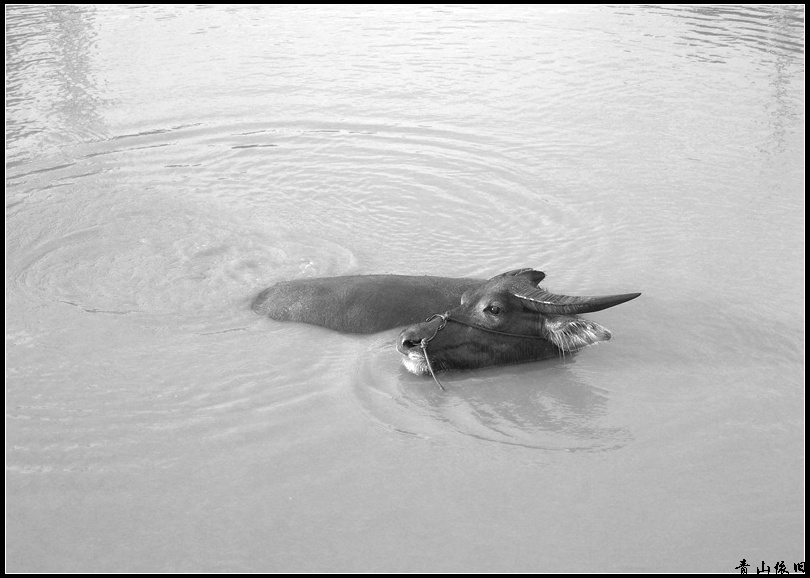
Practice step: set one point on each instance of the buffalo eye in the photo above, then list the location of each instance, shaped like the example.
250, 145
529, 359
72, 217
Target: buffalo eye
493, 309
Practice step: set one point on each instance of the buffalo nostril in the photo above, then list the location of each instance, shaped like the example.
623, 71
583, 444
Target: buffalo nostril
407, 342
408, 339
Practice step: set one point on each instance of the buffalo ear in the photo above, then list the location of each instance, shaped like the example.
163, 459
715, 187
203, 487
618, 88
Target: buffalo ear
573, 333
533, 276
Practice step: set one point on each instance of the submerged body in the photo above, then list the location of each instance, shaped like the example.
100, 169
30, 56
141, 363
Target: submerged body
454, 323
362, 303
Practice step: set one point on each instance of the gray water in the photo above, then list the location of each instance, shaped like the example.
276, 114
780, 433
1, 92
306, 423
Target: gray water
165, 163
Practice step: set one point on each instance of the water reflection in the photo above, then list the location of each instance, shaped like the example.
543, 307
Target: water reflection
768, 29
543, 406
51, 87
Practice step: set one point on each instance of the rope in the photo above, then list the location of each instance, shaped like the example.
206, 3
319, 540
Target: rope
445, 317
430, 367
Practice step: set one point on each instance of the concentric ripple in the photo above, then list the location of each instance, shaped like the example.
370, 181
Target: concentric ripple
188, 266
538, 406
193, 219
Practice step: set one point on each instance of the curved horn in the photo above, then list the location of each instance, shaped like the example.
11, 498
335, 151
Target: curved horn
544, 302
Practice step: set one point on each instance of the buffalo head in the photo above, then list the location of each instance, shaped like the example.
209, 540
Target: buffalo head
508, 319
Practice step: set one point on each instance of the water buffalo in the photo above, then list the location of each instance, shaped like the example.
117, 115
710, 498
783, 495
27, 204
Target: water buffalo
471, 322
508, 319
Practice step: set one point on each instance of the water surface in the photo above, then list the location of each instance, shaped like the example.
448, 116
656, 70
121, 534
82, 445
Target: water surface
165, 163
